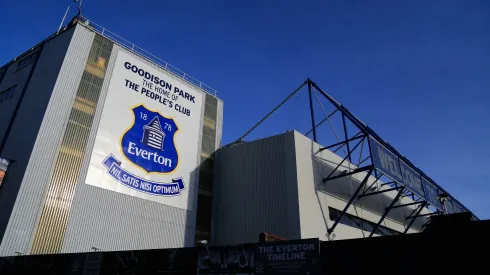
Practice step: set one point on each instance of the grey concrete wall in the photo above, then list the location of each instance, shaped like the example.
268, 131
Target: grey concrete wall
36, 135
255, 191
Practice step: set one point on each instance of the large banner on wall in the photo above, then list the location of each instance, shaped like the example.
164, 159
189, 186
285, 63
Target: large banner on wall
148, 137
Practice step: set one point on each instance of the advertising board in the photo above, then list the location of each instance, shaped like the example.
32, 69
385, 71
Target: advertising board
288, 257
271, 258
389, 164
432, 194
147, 141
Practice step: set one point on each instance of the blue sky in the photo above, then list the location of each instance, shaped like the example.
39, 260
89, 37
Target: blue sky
417, 72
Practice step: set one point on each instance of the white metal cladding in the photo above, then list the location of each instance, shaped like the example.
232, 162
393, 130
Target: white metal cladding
114, 221
256, 181
254, 191
219, 124
27, 208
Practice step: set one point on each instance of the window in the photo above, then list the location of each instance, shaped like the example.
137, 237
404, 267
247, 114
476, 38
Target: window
4, 95
26, 61
353, 221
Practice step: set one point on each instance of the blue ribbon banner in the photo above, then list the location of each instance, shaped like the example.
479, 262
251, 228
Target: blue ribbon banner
432, 194
124, 177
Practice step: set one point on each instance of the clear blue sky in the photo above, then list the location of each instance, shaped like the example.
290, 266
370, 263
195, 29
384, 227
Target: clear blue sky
418, 72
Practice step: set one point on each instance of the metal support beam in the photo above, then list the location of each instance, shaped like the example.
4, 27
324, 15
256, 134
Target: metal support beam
344, 111
342, 146
333, 171
387, 183
346, 136
311, 110
323, 120
424, 215
379, 192
408, 204
358, 170
354, 197
413, 220
387, 211
364, 160
370, 186
342, 142
268, 115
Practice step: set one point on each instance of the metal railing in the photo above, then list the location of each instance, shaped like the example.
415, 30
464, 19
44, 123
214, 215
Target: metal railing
151, 57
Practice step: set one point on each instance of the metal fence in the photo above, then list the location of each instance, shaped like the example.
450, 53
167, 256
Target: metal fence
151, 57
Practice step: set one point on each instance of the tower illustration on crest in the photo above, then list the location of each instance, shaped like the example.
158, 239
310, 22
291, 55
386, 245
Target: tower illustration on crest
153, 134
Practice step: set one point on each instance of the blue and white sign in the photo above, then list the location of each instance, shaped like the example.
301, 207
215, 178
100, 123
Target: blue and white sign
147, 142
412, 180
132, 181
385, 161
457, 208
390, 165
432, 194
449, 206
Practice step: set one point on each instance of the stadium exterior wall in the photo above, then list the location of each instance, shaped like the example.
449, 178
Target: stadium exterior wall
275, 185
255, 191
146, 225
55, 209
48, 123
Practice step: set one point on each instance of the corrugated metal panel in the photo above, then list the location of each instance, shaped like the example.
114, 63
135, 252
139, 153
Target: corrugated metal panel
251, 193
219, 124
54, 217
29, 201
114, 221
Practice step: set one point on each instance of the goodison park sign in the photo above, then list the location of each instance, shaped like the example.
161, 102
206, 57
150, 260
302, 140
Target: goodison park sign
147, 142
388, 163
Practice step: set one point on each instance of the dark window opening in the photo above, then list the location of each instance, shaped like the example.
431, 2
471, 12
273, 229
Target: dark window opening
6, 94
26, 61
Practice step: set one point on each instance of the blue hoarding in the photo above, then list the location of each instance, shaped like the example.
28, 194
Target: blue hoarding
412, 180
449, 206
385, 161
432, 194
458, 208
389, 164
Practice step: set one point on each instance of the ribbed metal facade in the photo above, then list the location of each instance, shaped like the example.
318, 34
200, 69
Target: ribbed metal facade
30, 199
255, 191
57, 205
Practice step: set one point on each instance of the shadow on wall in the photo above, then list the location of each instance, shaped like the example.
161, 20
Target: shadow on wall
344, 188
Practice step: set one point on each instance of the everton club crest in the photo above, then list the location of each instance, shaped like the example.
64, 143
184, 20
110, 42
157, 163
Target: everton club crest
149, 145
